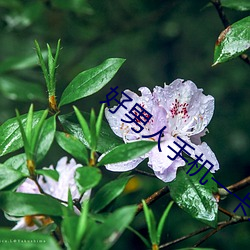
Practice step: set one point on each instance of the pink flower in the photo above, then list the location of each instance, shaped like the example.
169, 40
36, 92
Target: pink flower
58, 189
183, 109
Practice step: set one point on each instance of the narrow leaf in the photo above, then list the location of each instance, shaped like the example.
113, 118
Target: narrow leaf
241, 5
108, 193
10, 136
20, 204
162, 221
105, 235
46, 138
87, 177
99, 121
127, 152
19, 90
90, 81
92, 127
82, 223
107, 138
53, 174
84, 125
9, 175
73, 146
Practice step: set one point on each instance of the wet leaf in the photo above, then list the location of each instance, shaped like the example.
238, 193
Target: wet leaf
107, 138
73, 146
20, 204
8, 176
105, 235
10, 136
108, 193
241, 5
126, 152
90, 81
233, 41
194, 198
87, 177
46, 138
20, 90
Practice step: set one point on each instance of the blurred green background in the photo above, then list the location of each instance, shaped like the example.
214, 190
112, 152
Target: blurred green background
162, 41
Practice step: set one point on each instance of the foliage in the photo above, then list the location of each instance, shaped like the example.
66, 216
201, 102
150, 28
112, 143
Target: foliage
98, 216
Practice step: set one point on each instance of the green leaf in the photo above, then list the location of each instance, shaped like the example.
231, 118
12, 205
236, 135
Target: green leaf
87, 177
162, 221
73, 146
19, 63
107, 139
194, 198
241, 5
53, 174
99, 121
16, 240
105, 235
8, 176
108, 193
10, 136
84, 125
74, 228
78, 6
37, 131
127, 152
143, 239
233, 41
46, 138
92, 127
82, 223
69, 230
90, 81
20, 204
19, 90
151, 223
18, 162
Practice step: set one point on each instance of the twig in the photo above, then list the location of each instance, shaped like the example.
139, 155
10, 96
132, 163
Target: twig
235, 220
204, 229
42, 192
224, 211
152, 198
226, 23
235, 187
144, 173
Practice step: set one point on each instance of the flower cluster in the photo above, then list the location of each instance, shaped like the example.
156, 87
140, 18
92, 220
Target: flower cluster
58, 189
183, 109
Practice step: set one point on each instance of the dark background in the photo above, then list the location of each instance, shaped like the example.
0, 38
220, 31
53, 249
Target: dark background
161, 41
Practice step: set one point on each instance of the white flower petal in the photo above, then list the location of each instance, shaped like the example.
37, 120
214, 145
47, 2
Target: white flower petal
125, 166
189, 110
29, 187
164, 168
208, 155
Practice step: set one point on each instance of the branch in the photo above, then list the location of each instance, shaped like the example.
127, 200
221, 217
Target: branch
235, 187
152, 198
185, 237
236, 219
226, 23
144, 173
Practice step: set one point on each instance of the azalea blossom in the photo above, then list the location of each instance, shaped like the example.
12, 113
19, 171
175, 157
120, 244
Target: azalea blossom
58, 189
183, 109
